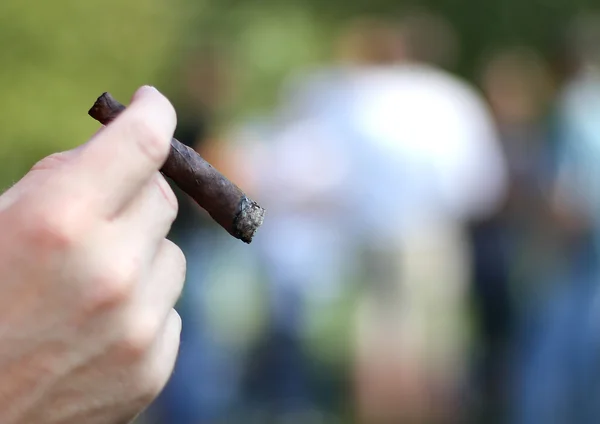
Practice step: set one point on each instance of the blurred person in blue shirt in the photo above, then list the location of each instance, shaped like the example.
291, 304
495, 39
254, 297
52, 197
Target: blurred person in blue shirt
559, 380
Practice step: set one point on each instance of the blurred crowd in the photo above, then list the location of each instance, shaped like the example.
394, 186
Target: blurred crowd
429, 253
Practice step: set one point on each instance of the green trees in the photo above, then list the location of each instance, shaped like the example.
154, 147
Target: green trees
57, 56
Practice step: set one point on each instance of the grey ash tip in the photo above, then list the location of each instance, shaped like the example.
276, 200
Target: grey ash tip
248, 220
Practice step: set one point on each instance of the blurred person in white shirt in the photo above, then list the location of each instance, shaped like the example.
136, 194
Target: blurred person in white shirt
426, 161
439, 171
559, 377
372, 169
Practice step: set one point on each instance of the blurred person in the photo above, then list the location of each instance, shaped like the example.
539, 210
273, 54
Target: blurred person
558, 380
513, 249
88, 280
372, 169
430, 163
575, 197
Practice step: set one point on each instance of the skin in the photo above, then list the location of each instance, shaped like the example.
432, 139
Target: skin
88, 279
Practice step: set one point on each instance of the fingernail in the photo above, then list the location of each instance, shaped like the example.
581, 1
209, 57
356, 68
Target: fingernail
144, 90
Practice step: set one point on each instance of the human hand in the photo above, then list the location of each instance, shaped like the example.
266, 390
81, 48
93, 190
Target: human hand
88, 280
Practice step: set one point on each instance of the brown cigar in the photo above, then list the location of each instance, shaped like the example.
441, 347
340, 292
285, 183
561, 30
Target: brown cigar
224, 201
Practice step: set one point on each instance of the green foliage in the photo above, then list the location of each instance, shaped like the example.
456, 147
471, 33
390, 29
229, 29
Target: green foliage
58, 56
273, 42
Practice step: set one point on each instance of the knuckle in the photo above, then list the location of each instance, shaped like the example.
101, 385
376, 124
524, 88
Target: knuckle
150, 385
54, 228
150, 141
171, 212
178, 262
157, 368
114, 284
176, 320
138, 337
178, 256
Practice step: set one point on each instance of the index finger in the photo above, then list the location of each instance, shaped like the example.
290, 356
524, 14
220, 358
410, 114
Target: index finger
122, 158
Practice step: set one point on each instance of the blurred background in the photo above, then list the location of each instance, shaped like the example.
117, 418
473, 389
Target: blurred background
430, 172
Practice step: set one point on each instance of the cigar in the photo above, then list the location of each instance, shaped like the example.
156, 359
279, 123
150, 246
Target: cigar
224, 201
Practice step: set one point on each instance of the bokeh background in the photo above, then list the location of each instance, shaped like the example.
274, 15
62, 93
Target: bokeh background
429, 169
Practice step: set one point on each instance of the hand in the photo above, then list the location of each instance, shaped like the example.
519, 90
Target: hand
88, 280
